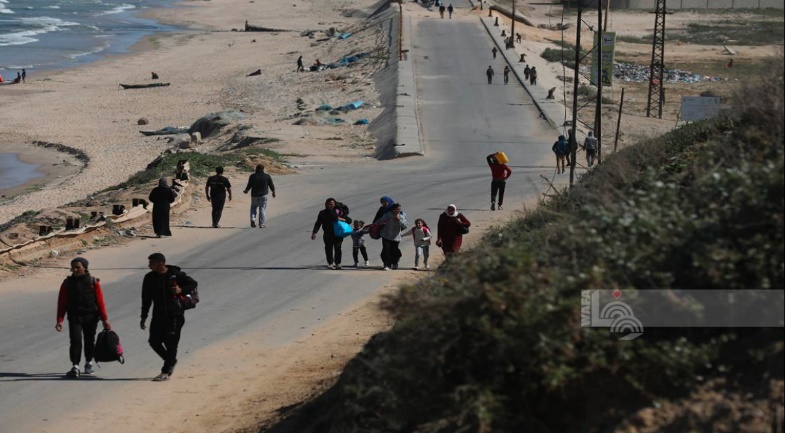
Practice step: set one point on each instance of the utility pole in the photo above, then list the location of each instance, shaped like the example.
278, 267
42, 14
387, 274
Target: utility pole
657, 66
573, 138
598, 110
607, 8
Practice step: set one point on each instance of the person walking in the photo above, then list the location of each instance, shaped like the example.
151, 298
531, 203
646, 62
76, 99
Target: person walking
499, 173
394, 223
421, 235
386, 204
533, 76
449, 233
24, 75
489, 73
162, 198
332, 243
82, 301
162, 289
216, 189
450, 10
358, 243
494, 51
560, 148
441, 11
300, 67
260, 184
590, 147
526, 73
506, 74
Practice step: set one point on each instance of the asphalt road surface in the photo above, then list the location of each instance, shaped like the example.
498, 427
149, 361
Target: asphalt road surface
253, 280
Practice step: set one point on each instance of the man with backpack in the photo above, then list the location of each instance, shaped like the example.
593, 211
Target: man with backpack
170, 292
590, 147
82, 300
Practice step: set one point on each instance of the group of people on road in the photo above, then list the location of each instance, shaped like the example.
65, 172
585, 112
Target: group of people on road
390, 224
442, 9
81, 301
217, 189
563, 150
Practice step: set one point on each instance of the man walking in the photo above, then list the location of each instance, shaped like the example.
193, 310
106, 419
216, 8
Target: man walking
163, 287
533, 76
561, 149
526, 72
506, 74
441, 11
300, 67
499, 174
490, 74
449, 10
216, 189
494, 51
259, 183
24, 75
590, 147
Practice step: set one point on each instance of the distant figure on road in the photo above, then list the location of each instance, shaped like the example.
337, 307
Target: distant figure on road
82, 300
450, 10
161, 197
441, 11
560, 148
494, 51
506, 74
216, 189
526, 72
533, 76
260, 184
332, 244
162, 288
499, 175
590, 147
489, 72
452, 226
518, 38
300, 67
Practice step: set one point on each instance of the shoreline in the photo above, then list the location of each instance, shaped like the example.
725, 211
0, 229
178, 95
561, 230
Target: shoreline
54, 167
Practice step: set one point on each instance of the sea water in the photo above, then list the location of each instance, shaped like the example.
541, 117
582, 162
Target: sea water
14, 172
58, 34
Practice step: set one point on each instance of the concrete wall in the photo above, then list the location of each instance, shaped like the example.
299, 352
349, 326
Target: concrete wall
692, 4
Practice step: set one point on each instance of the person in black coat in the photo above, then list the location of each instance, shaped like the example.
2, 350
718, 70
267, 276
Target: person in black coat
161, 197
332, 244
162, 288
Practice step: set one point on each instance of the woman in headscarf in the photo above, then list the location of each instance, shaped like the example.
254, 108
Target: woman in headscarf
394, 223
450, 231
161, 197
387, 204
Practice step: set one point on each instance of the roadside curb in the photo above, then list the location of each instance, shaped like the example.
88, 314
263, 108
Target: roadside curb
408, 138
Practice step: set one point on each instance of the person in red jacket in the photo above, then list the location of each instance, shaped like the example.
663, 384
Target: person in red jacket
82, 300
452, 226
500, 173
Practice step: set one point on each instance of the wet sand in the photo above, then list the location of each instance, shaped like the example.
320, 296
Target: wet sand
53, 168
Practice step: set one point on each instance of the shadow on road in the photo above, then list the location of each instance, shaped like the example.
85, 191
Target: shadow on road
18, 377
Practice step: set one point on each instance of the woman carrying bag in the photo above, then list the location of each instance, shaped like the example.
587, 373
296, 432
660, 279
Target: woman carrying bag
452, 226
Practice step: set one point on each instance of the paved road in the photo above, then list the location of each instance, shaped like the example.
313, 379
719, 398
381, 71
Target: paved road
254, 280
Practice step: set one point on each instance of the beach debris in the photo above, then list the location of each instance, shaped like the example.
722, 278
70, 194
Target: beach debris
252, 28
301, 104
142, 121
182, 141
168, 130
155, 76
143, 86
196, 137
362, 122
354, 105
213, 122
344, 35
640, 74
255, 73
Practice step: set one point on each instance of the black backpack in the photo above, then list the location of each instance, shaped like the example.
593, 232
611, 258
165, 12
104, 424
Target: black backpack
108, 347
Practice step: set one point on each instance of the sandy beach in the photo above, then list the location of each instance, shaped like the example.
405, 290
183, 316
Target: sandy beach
53, 168
207, 66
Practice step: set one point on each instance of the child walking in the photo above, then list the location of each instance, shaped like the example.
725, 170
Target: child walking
358, 243
421, 235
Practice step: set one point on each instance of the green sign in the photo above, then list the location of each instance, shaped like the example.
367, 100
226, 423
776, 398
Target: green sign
608, 51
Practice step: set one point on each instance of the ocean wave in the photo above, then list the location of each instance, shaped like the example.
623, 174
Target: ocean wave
119, 9
42, 25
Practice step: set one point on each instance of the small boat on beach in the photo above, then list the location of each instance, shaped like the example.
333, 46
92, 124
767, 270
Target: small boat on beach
143, 86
